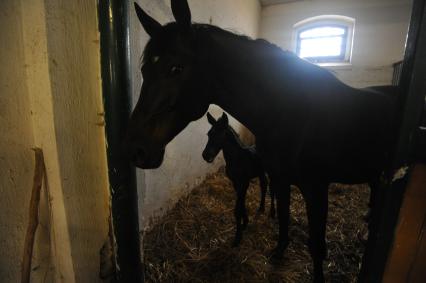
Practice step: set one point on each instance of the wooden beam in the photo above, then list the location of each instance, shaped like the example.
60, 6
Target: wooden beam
33, 216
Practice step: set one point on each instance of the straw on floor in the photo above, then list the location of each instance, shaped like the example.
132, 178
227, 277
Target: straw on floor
192, 242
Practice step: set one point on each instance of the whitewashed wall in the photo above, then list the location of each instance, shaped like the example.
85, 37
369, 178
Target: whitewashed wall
183, 166
50, 97
379, 39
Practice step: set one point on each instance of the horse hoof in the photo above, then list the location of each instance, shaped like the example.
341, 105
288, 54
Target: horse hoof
236, 243
244, 225
363, 237
367, 216
237, 240
278, 253
319, 278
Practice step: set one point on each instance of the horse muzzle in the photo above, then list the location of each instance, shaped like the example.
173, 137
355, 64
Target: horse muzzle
147, 159
208, 157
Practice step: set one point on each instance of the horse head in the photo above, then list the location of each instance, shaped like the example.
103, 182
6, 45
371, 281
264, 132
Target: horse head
173, 89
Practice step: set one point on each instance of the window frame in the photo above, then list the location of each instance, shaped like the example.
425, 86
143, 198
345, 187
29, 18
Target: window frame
347, 23
324, 59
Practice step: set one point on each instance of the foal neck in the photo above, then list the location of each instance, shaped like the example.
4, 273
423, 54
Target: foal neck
232, 146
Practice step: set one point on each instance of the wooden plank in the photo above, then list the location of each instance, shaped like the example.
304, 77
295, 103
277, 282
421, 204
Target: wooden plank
404, 253
33, 216
418, 270
410, 107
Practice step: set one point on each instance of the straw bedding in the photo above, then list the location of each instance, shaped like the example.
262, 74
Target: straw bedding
192, 242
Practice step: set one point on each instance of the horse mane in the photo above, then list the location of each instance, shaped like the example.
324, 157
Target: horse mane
262, 43
155, 47
200, 28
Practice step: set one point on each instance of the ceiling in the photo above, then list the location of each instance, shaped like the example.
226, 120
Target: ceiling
272, 2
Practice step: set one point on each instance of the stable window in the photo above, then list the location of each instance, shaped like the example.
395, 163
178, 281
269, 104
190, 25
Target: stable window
325, 39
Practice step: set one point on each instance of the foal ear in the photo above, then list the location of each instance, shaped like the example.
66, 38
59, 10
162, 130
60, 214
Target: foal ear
225, 118
210, 118
182, 13
151, 26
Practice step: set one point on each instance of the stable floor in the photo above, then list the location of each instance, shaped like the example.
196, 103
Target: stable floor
192, 243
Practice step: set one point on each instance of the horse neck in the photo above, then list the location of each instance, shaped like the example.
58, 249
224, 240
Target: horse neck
261, 85
232, 61
232, 146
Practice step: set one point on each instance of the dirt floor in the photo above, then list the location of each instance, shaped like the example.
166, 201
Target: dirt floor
192, 243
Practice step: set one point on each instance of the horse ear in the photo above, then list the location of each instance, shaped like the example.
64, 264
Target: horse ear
210, 118
151, 26
182, 13
225, 118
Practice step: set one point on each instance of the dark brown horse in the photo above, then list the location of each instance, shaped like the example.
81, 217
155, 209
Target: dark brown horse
242, 164
310, 128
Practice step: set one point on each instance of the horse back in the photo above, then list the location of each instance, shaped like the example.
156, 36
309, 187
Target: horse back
349, 141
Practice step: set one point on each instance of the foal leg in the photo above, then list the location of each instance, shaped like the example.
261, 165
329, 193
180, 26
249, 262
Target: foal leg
316, 199
263, 188
272, 196
243, 204
374, 187
282, 193
240, 213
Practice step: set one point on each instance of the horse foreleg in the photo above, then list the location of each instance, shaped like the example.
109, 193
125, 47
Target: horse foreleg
316, 199
282, 193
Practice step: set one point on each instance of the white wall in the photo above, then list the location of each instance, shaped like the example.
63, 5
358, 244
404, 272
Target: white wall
50, 97
379, 39
16, 158
183, 166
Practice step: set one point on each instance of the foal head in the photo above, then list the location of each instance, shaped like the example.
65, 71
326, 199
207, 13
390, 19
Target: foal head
173, 90
217, 136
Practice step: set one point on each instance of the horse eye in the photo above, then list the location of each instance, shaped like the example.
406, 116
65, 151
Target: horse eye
175, 70
155, 59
